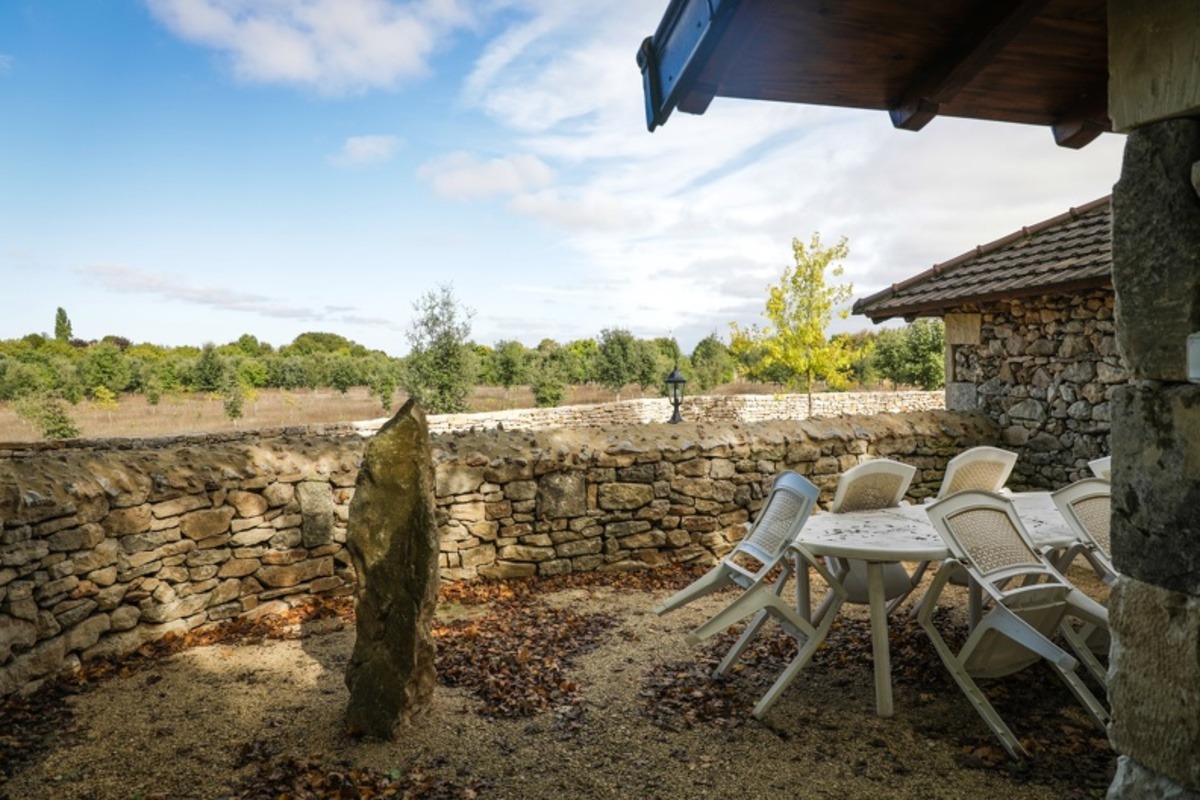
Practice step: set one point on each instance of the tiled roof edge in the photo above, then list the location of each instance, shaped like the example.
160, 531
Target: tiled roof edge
1074, 212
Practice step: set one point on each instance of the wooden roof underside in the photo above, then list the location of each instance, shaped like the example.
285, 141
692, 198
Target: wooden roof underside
1041, 62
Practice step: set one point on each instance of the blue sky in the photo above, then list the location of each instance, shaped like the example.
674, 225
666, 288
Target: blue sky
183, 171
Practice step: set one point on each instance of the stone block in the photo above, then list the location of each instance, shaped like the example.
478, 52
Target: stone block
123, 521
206, 523
124, 617
293, 574
518, 552
1154, 678
316, 511
238, 568
178, 506
16, 635
561, 494
521, 490
1156, 484
508, 569
278, 494
87, 633
247, 504
1156, 250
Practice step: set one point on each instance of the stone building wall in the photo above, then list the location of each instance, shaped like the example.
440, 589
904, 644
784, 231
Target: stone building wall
1045, 369
105, 545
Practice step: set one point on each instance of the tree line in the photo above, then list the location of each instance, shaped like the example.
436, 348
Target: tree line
39, 372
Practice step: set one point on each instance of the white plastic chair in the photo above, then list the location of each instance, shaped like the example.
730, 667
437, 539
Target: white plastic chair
788, 504
872, 485
1086, 505
983, 468
1102, 467
1028, 602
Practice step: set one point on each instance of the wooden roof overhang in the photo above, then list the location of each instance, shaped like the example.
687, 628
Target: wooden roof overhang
1040, 62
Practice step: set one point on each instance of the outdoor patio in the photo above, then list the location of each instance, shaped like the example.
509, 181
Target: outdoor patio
562, 687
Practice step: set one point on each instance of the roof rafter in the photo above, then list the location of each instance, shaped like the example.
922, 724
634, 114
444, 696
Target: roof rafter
976, 45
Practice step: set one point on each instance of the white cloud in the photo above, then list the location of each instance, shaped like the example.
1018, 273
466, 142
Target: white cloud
123, 279
694, 220
462, 176
335, 46
360, 151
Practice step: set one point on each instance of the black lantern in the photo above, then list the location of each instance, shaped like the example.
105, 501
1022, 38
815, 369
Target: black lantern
675, 382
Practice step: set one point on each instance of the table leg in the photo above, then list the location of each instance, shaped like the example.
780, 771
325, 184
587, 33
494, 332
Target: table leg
879, 640
803, 604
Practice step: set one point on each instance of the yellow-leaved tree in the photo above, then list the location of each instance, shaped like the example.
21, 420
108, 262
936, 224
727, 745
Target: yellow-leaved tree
799, 309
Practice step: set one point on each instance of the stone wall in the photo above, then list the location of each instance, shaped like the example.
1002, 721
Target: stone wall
1045, 370
105, 545
705, 408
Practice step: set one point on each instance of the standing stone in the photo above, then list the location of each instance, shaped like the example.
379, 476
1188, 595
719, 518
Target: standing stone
393, 541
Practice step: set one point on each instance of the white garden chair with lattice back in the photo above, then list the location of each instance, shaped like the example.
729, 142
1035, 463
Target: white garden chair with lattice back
1028, 602
1101, 467
881, 483
983, 468
764, 547
1086, 505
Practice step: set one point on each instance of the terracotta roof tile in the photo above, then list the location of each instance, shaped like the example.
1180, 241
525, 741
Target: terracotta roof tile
1065, 253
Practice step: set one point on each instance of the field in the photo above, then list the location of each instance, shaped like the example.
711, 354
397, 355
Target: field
204, 413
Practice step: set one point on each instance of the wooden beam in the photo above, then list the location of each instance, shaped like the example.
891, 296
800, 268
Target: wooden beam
1154, 61
1075, 133
972, 50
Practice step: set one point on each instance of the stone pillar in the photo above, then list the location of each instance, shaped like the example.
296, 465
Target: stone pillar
393, 539
1155, 608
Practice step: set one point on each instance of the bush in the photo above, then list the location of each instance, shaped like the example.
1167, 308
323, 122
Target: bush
46, 414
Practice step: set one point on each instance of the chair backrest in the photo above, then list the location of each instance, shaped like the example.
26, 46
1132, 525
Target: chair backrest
881, 483
984, 533
1102, 467
1086, 505
787, 507
982, 468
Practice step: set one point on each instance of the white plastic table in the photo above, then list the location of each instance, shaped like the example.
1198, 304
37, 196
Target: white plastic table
905, 533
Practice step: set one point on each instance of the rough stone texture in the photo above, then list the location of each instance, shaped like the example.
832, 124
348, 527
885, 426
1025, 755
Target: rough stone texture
1154, 681
1045, 370
533, 495
1156, 249
1155, 614
316, 510
393, 540
1135, 782
1156, 485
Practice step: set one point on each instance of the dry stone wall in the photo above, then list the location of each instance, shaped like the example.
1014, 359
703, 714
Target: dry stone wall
105, 545
1045, 370
706, 408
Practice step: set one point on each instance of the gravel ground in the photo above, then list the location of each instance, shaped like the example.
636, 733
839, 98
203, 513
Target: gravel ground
645, 722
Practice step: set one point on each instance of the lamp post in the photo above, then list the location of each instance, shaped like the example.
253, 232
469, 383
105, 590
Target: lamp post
675, 382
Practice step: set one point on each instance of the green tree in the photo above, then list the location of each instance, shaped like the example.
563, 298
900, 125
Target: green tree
617, 359
912, 355
104, 364
437, 370
712, 364
509, 360
382, 381
208, 373
547, 375
798, 312
62, 325
233, 395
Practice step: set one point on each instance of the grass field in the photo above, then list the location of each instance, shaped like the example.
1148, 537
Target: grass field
203, 413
